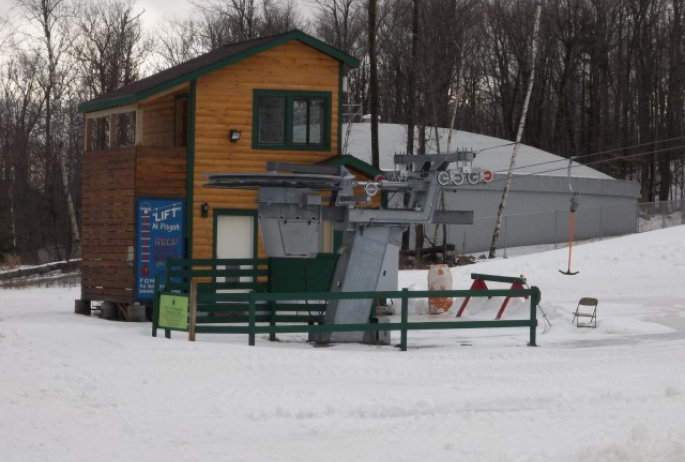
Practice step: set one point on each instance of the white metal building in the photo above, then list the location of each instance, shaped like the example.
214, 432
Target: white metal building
537, 209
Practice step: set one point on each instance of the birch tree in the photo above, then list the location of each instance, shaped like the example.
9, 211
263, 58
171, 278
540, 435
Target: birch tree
519, 134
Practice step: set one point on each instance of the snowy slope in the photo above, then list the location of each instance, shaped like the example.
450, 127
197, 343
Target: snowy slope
74, 388
496, 152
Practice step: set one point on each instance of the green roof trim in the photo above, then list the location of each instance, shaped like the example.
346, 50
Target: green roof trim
205, 64
354, 163
341, 72
190, 170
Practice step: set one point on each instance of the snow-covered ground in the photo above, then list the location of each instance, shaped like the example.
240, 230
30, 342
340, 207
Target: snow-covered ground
74, 388
652, 223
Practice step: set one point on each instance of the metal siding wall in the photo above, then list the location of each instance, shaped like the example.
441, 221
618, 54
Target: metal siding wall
538, 211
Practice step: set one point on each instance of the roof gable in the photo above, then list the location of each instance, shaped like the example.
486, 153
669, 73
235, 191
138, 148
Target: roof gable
204, 64
354, 164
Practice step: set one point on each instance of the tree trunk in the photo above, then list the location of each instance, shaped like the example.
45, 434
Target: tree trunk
75, 235
519, 134
49, 141
373, 84
419, 229
411, 110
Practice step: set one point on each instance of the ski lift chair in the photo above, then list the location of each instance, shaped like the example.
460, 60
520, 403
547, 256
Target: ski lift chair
587, 308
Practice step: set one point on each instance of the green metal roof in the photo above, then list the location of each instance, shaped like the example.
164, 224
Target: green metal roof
204, 64
353, 163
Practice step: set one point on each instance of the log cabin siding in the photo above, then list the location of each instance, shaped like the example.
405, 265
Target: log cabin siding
161, 172
107, 224
224, 101
158, 120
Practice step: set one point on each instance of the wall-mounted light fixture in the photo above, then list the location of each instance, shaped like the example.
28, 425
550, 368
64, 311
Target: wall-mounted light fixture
234, 135
204, 210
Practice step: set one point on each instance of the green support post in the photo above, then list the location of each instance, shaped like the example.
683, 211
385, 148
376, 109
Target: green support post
251, 320
405, 319
167, 332
272, 319
534, 301
155, 308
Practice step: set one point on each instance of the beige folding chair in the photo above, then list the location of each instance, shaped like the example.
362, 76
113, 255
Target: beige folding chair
589, 307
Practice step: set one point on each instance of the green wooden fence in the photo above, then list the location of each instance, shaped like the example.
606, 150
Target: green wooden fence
257, 311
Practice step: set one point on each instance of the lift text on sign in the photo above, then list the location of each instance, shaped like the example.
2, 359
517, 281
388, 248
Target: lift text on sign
159, 235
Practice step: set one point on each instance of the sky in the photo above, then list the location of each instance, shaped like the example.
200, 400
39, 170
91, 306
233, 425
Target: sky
156, 10
76, 388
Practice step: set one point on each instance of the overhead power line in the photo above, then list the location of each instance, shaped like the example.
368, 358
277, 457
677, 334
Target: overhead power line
575, 158
650, 153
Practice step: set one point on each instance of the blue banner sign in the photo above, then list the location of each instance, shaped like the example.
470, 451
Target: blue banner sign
159, 235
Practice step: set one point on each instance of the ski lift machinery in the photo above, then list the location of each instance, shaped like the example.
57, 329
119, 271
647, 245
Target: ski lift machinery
291, 211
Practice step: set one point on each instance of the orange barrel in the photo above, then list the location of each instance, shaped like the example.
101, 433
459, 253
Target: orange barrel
439, 278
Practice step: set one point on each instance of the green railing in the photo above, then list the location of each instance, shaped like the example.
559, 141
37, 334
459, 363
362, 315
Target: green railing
256, 311
220, 274
256, 303
404, 326
224, 284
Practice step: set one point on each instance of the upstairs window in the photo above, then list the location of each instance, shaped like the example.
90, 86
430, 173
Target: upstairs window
292, 120
271, 120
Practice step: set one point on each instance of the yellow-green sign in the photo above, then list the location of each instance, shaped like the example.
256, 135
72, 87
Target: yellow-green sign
173, 311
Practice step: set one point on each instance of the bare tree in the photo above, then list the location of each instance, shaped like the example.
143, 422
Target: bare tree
519, 134
21, 110
279, 17
340, 23
181, 40
51, 19
242, 20
4, 32
236, 16
111, 47
411, 90
674, 90
213, 24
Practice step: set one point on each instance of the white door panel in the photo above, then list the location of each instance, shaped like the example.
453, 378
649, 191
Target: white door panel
235, 239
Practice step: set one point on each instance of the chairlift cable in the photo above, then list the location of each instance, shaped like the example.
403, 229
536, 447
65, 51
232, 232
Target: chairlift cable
580, 157
589, 163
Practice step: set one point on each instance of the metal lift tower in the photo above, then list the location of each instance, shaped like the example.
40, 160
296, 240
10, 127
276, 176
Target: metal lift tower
292, 208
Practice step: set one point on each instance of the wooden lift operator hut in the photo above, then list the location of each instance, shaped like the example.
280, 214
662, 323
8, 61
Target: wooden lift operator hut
150, 144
